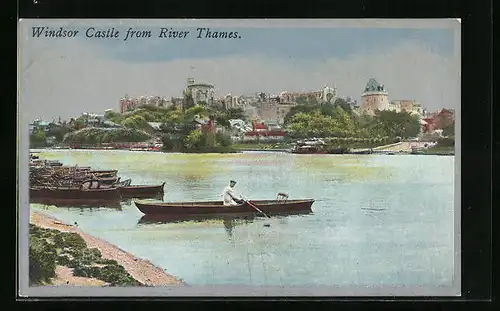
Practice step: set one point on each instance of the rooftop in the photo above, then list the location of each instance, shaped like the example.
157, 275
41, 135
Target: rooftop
374, 86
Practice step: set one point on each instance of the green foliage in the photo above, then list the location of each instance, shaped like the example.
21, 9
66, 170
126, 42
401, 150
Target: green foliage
342, 103
223, 140
337, 120
110, 115
98, 135
38, 139
58, 132
195, 140
297, 109
400, 124
42, 261
182, 134
77, 124
307, 101
49, 248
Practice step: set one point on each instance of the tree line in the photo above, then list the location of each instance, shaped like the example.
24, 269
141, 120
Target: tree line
339, 120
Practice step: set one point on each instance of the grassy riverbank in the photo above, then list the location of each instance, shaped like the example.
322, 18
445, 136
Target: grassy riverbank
50, 248
61, 254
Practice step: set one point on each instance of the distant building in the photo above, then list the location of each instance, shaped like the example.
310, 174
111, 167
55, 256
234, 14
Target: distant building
431, 122
40, 125
374, 97
274, 112
409, 106
326, 94
230, 101
130, 103
201, 92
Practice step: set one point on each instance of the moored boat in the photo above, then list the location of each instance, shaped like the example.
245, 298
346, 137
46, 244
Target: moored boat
75, 193
217, 207
79, 203
310, 146
141, 191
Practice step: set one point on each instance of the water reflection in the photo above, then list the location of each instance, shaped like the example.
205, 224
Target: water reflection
81, 207
129, 201
229, 221
76, 203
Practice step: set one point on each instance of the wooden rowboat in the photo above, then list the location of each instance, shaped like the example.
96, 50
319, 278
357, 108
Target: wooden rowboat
141, 191
217, 207
75, 193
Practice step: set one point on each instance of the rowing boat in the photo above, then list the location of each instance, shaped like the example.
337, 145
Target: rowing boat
141, 191
217, 207
76, 193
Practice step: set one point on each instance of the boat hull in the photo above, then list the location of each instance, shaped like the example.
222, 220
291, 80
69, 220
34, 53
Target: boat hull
141, 191
269, 207
69, 195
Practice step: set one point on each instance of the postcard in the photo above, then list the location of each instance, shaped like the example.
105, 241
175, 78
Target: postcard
239, 157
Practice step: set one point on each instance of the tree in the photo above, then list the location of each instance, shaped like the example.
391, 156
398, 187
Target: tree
327, 109
313, 124
301, 101
340, 102
38, 139
77, 124
195, 140
111, 115
58, 132
395, 124
297, 109
135, 122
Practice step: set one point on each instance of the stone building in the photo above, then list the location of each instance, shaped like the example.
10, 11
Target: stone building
201, 92
326, 94
410, 106
375, 97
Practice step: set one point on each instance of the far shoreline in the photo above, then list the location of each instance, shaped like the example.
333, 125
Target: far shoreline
375, 153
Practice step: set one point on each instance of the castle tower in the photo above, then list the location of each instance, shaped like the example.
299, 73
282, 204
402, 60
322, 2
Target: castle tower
374, 97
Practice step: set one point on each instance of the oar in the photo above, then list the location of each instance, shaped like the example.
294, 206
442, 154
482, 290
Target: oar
258, 210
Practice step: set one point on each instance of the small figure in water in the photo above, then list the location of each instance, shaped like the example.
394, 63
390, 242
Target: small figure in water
228, 195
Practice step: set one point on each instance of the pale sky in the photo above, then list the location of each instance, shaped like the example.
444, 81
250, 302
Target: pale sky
65, 77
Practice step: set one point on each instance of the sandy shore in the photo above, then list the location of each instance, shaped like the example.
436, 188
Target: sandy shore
141, 270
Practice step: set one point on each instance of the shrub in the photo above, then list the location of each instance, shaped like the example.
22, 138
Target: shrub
116, 275
223, 140
42, 261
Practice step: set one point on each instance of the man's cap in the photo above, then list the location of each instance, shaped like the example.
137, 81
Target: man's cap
232, 181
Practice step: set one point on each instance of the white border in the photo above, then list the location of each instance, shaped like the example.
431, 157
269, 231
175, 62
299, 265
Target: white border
24, 213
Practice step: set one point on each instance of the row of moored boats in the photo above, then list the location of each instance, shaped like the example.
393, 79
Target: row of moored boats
51, 180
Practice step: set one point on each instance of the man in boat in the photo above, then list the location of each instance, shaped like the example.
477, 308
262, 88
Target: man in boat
228, 195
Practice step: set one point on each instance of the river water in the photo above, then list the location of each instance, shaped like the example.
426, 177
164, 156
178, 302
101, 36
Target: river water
378, 219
